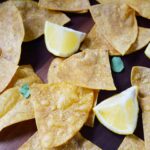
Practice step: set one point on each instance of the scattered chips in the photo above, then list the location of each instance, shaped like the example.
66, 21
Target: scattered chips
52, 76
90, 69
65, 5
140, 76
117, 64
58, 108
120, 29
11, 32
132, 142
7, 71
96, 40
34, 18
142, 7
76, 143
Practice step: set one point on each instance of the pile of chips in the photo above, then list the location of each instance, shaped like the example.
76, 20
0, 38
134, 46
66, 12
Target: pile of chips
64, 105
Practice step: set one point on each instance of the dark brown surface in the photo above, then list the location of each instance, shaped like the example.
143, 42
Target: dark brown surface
35, 53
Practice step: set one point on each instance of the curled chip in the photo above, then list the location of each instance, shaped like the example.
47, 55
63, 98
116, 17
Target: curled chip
60, 111
140, 76
119, 29
89, 69
76, 143
11, 32
132, 142
52, 76
95, 40
34, 18
8, 70
65, 5
142, 7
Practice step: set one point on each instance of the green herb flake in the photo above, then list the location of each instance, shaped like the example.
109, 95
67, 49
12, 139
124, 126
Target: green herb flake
117, 64
25, 90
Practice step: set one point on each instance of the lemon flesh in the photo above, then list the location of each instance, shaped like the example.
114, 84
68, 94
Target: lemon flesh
62, 41
120, 112
147, 51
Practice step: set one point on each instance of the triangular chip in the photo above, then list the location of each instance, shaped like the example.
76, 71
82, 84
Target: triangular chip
90, 69
132, 142
52, 76
76, 143
65, 5
11, 32
7, 71
119, 29
140, 76
60, 111
95, 40
141, 6
34, 18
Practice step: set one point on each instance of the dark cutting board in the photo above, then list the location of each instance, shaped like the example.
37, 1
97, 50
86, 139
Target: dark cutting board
35, 53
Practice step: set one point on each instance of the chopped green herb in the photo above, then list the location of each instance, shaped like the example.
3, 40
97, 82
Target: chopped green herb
25, 91
117, 64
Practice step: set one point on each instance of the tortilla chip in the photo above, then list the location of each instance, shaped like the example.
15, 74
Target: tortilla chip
145, 103
65, 5
8, 70
91, 117
60, 111
14, 108
95, 40
89, 69
142, 40
146, 128
76, 143
34, 18
132, 142
140, 76
142, 7
11, 32
52, 76
119, 29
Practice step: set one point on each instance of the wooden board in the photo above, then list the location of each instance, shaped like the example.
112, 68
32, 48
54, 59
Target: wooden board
36, 54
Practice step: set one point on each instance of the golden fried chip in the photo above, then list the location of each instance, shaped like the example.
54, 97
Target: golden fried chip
91, 118
76, 143
25, 74
11, 32
7, 71
119, 29
142, 7
34, 18
89, 69
140, 76
95, 40
65, 5
60, 111
52, 76
132, 142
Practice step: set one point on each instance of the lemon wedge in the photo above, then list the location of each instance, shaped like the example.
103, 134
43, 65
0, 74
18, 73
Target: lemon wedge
147, 51
120, 112
62, 41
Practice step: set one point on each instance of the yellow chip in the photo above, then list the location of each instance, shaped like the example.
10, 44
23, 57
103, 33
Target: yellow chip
52, 76
76, 143
140, 76
95, 40
25, 74
89, 69
65, 5
119, 29
34, 18
132, 142
11, 32
60, 111
7, 71
142, 7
